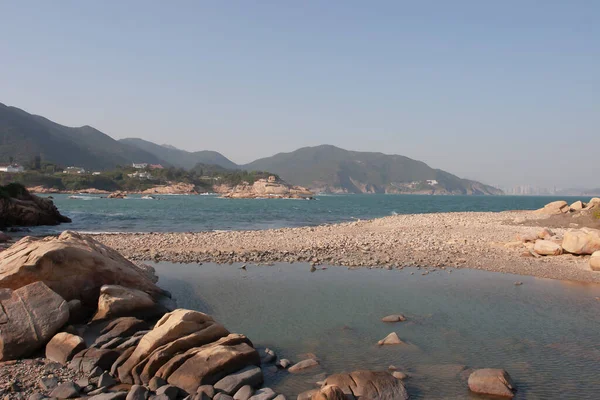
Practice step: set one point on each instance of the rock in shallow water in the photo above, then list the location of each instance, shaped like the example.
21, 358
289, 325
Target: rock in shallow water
491, 381
391, 339
302, 365
373, 385
394, 318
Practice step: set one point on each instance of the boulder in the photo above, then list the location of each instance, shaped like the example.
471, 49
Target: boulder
495, 382
208, 390
556, 207
252, 376
545, 234
263, 394
119, 301
222, 396
175, 332
577, 206
63, 346
394, 318
595, 261
244, 393
581, 241
390, 339
120, 328
371, 385
593, 203
137, 392
87, 360
329, 392
302, 365
29, 317
88, 264
67, 390
110, 396
547, 248
208, 364
22, 208
168, 390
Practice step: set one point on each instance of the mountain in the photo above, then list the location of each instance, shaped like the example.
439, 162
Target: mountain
181, 158
24, 136
331, 169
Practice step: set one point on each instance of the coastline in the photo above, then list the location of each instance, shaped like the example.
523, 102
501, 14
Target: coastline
476, 240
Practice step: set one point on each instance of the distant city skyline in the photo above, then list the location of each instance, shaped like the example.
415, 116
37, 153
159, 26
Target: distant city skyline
505, 93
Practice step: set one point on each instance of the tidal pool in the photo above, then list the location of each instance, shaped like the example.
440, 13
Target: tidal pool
545, 333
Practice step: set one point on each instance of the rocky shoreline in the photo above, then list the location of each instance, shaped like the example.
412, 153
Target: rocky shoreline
485, 241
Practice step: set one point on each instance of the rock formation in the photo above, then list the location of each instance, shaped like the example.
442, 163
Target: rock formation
175, 188
371, 385
495, 382
271, 188
18, 207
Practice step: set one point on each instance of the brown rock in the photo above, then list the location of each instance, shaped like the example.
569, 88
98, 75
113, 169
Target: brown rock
581, 241
123, 327
545, 234
303, 365
88, 265
593, 203
85, 361
119, 301
556, 207
369, 385
394, 318
29, 317
577, 206
329, 392
390, 339
26, 209
595, 261
63, 346
490, 381
547, 248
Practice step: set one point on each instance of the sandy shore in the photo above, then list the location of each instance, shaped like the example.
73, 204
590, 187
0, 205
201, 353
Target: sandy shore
485, 241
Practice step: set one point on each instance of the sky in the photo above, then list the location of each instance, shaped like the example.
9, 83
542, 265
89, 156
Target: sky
506, 92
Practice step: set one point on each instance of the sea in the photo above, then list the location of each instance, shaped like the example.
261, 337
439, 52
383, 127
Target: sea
196, 213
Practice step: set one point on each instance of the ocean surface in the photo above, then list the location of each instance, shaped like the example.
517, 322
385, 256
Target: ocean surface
205, 213
544, 332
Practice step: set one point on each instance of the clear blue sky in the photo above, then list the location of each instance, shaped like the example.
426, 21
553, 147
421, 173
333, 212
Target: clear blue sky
507, 92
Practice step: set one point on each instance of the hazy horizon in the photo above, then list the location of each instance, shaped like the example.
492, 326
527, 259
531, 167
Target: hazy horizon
506, 94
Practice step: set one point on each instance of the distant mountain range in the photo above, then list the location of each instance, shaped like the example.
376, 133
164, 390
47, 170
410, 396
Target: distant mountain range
325, 168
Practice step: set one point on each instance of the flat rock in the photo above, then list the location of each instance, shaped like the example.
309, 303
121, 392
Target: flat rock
63, 346
110, 396
29, 316
394, 318
122, 328
67, 390
303, 365
120, 301
244, 393
373, 385
87, 360
222, 396
252, 376
547, 248
491, 381
263, 394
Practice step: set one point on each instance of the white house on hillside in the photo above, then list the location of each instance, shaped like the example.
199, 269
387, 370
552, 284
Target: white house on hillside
11, 168
74, 170
139, 166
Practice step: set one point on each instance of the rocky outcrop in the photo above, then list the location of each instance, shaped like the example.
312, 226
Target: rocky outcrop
175, 188
495, 382
271, 188
88, 265
29, 317
581, 241
117, 195
369, 385
556, 207
117, 301
18, 207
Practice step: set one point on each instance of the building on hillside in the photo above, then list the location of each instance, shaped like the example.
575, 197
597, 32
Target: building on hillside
74, 170
11, 168
140, 165
140, 175
156, 166
96, 173
432, 182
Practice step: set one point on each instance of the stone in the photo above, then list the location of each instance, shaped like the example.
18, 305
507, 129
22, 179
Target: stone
373, 385
284, 363
48, 383
87, 263
593, 203
527, 237
209, 390
399, 375
545, 234
109, 396
263, 394
26, 209
495, 382
252, 376
394, 318
67, 390
89, 359
120, 360
303, 365
168, 390
547, 248
29, 316
123, 327
595, 261
556, 207
36, 396
208, 364
280, 397
267, 356
244, 393
222, 396
307, 395
577, 206
172, 326
391, 339
63, 346
119, 301
581, 241
137, 392
106, 380
329, 392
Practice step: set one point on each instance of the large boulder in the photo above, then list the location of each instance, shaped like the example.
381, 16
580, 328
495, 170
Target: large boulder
547, 248
577, 206
18, 207
581, 241
63, 347
593, 203
595, 261
556, 207
29, 317
329, 392
172, 326
119, 301
208, 364
74, 266
495, 382
371, 385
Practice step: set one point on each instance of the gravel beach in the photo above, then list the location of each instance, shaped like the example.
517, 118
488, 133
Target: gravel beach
485, 241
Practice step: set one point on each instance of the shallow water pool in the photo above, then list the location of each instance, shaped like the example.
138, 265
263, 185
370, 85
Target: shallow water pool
545, 333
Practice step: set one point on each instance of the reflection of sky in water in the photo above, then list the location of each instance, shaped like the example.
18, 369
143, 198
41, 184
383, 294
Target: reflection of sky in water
545, 332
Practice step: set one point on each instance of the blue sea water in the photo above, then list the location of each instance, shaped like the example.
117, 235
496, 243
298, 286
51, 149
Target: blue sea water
205, 213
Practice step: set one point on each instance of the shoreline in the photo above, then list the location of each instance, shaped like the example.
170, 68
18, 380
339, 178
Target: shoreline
475, 240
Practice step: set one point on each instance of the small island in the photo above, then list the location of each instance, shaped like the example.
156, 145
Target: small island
269, 188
